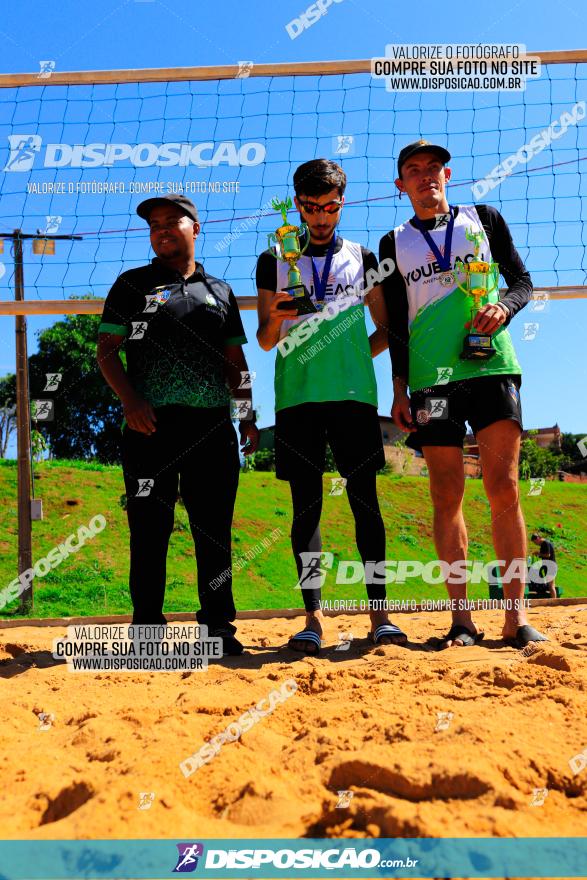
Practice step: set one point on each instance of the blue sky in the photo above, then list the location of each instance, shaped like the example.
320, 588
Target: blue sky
296, 120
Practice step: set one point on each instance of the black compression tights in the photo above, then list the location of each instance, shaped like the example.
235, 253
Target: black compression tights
306, 493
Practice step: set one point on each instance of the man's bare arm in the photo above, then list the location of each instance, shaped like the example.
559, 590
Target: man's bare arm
375, 300
270, 317
235, 364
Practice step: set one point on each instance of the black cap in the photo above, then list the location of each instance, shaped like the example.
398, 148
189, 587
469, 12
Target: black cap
421, 146
187, 206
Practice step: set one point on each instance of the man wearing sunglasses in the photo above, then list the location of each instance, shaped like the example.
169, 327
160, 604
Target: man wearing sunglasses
326, 391
428, 317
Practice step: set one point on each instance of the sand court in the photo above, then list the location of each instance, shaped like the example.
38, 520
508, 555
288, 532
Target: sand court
479, 741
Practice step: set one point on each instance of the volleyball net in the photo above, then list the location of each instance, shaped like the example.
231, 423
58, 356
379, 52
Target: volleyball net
79, 151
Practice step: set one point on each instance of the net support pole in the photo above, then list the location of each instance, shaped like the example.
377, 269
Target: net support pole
23, 433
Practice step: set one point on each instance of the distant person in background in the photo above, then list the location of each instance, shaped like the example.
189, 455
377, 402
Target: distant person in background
545, 552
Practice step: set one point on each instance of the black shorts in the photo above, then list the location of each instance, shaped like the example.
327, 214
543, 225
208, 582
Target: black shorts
351, 428
440, 413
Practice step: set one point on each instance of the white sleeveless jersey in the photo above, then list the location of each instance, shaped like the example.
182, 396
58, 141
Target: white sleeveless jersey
438, 309
326, 356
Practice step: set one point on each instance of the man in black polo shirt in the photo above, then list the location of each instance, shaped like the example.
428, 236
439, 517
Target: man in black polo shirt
182, 336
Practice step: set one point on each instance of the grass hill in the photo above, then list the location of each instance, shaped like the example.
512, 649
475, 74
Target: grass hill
94, 581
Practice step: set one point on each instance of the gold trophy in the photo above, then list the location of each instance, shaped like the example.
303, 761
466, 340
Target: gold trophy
284, 245
481, 279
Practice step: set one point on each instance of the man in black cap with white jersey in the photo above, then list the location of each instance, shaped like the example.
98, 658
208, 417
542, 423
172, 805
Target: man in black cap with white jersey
182, 334
451, 383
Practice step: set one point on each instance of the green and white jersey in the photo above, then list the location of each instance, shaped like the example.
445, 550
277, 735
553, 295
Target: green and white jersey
437, 314
327, 356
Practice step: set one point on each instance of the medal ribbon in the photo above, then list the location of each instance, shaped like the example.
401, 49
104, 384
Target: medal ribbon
442, 260
321, 282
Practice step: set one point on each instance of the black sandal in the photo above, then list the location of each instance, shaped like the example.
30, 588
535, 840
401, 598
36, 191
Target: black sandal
524, 636
458, 631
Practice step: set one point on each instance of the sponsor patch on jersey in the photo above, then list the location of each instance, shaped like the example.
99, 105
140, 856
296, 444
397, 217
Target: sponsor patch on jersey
422, 416
161, 294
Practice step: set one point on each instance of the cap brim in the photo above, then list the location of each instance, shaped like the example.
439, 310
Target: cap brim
145, 208
442, 154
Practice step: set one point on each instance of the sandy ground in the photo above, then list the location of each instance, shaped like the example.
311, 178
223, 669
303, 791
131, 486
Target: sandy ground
363, 720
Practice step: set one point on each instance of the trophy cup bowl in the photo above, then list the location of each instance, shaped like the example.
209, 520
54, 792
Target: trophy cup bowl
287, 242
477, 275
481, 279
285, 245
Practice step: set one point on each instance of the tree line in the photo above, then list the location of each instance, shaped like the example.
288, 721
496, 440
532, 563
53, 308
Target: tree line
87, 415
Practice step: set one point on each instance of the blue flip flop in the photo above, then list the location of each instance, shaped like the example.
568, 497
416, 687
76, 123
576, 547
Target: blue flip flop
387, 630
306, 635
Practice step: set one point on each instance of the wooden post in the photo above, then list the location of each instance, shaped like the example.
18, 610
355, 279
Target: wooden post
232, 71
23, 434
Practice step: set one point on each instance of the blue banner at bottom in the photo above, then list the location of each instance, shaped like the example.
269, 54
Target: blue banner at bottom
289, 859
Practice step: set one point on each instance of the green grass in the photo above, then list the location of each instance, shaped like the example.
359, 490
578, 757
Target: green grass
95, 580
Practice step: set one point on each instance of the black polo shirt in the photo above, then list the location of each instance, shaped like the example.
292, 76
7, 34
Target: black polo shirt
176, 330
547, 551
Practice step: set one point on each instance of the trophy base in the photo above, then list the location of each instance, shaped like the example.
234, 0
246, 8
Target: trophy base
477, 346
301, 300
